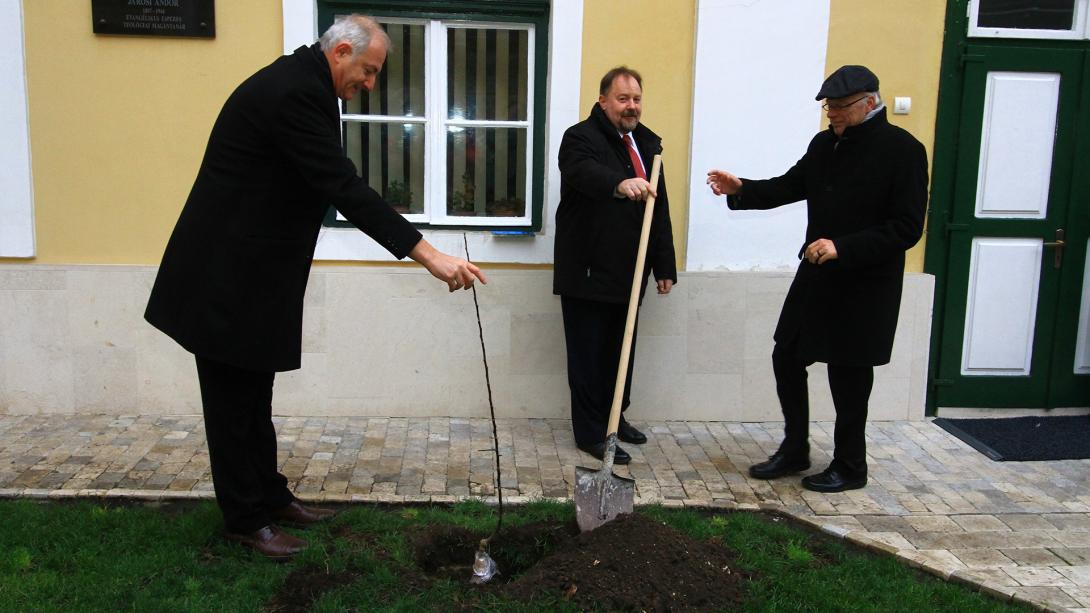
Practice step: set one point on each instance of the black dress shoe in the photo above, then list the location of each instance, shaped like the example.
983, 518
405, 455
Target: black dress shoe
271, 542
297, 514
598, 450
779, 465
628, 434
834, 479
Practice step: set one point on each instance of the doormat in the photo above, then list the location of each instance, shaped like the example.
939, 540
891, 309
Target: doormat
1024, 439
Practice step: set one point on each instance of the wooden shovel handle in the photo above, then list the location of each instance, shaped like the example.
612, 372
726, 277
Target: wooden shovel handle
633, 303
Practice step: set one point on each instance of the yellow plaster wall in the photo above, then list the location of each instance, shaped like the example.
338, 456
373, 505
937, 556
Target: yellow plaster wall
118, 124
902, 43
656, 39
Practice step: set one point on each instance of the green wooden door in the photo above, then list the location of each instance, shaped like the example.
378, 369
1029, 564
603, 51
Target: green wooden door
1012, 294
1070, 386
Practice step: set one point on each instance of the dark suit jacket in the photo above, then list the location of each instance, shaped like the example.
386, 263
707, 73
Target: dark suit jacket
230, 287
867, 192
597, 235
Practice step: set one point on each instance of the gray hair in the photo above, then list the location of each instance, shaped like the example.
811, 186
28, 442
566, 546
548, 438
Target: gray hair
878, 105
356, 30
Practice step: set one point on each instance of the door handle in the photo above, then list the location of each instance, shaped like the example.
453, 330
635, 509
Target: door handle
1059, 244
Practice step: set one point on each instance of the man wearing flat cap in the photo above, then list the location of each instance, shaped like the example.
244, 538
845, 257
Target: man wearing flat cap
865, 184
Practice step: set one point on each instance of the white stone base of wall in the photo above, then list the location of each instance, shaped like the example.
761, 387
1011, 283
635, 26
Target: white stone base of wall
392, 342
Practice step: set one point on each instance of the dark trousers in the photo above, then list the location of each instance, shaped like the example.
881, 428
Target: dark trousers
850, 386
593, 333
241, 444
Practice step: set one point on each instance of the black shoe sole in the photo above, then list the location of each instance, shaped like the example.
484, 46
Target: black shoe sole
779, 473
826, 489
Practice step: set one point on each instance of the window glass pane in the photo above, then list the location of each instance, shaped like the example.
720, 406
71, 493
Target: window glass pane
1027, 14
390, 158
486, 73
399, 89
486, 172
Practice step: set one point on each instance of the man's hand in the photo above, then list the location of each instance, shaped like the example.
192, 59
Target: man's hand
634, 189
820, 251
455, 272
665, 285
722, 182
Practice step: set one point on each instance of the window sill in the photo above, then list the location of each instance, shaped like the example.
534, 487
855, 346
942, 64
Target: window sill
486, 245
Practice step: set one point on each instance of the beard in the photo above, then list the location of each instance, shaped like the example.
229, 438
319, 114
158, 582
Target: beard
629, 122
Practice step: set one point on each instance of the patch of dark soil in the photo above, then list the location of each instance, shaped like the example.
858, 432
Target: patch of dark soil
447, 551
305, 585
635, 563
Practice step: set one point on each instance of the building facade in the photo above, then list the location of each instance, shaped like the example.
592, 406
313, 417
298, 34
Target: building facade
103, 135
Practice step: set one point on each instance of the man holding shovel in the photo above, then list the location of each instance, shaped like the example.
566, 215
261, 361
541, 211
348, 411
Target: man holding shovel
604, 164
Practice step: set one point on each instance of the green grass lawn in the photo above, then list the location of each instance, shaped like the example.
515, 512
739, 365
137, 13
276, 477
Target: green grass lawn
83, 556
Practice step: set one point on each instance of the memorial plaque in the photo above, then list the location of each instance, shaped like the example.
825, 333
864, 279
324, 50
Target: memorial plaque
154, 17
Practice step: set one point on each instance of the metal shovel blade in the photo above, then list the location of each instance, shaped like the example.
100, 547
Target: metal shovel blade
600, 495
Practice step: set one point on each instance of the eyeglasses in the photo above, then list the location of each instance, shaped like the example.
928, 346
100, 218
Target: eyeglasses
841, 107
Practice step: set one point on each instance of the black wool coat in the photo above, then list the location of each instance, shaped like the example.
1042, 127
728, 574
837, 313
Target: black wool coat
230, 287
597, 234
867, 192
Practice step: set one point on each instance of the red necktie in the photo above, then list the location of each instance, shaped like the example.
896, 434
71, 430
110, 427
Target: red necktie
631, 146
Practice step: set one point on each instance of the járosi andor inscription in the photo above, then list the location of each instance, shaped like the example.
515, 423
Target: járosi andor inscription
154, 17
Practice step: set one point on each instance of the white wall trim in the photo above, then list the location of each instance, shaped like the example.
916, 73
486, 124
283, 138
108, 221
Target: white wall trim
300, 23
16, 180
563, 110
757, 68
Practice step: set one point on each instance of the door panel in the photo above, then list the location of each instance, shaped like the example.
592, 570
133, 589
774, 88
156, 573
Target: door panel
1017, 139
1002, 271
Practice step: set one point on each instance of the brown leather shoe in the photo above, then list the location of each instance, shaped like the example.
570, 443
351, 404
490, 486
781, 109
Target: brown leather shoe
271, 542
300, 515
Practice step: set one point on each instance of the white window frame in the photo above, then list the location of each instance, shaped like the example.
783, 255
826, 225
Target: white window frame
1078, 31
563, 108
437, 123
438, 106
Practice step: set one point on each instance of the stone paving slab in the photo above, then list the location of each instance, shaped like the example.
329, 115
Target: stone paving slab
1017, 530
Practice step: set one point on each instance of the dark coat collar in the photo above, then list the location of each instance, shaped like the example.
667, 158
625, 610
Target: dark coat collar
869, 126
314, 59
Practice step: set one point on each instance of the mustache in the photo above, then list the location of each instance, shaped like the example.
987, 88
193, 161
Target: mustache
630, 114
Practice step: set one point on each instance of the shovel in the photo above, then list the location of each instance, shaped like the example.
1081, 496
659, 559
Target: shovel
600, 495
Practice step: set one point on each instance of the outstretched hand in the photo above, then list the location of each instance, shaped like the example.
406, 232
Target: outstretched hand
454, 271
723, 182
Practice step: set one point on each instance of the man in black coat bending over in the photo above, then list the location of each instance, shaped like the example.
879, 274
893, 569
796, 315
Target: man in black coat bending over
865, 183
605, 162
230, 287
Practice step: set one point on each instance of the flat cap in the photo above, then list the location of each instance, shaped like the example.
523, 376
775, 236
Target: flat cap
848, 80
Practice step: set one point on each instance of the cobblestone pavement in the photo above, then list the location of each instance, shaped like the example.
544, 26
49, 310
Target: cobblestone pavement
1020, 531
